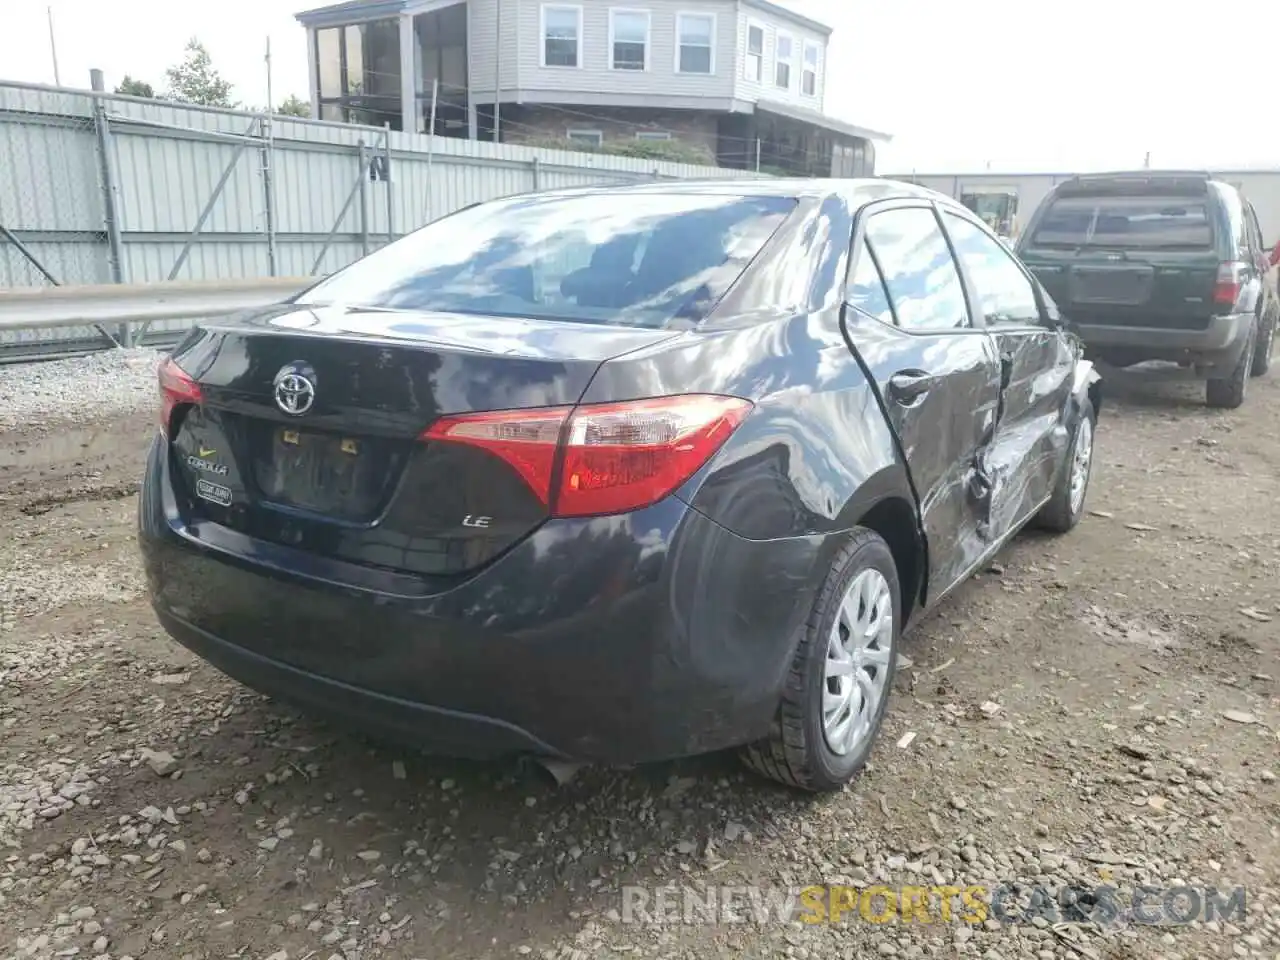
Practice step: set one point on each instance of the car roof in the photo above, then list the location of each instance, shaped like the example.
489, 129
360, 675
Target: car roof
857, 192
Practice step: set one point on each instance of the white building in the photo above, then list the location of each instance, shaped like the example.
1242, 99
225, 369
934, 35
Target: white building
741, 81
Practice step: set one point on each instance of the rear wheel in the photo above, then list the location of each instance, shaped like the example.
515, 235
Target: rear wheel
838, 687
1229, 392
1262, 351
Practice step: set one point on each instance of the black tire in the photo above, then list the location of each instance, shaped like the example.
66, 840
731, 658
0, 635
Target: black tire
796, 753
1262, 350
1058, 515
1229, 392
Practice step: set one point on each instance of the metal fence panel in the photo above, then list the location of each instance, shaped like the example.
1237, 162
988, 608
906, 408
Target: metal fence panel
192, 199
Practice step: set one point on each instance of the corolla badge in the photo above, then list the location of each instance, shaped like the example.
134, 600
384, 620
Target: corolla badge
295, 389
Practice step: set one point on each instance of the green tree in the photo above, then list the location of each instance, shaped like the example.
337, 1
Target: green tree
195, 80
136, 88
294, 107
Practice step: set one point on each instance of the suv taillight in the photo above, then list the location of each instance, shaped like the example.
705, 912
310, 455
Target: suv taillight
176, 388
1227, 288
602, 458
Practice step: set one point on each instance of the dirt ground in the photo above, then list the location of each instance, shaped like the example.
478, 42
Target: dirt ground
149, 806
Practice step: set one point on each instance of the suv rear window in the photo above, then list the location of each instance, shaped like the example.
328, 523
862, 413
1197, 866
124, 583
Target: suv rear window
637, 259
1158, 222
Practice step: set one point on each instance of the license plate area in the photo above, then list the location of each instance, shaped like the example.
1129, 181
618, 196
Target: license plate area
1115, 285
341, 477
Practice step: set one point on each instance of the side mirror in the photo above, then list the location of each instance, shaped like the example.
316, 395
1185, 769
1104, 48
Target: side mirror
1055, 319
1050, 315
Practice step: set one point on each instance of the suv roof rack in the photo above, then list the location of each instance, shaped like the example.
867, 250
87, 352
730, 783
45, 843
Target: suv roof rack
1145, 175
1144, 182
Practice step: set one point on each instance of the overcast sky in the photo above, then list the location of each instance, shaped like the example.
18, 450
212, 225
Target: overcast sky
1014, 85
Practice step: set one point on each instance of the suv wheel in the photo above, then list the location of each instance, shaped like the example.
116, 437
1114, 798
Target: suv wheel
1262, 352
1066, 503
1229, 392
838, 686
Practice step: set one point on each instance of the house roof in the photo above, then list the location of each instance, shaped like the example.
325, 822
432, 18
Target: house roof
345, 12
375, 9
820, 120
768, 6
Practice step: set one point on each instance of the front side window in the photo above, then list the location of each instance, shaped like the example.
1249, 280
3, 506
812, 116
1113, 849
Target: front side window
630, 44
1004, 292
634, 259
1254, 230
809, 78
782, 69
695, 49
753, 69
561, 36
919, 272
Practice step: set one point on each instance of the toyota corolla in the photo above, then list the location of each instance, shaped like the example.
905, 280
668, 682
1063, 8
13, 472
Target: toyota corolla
617, 474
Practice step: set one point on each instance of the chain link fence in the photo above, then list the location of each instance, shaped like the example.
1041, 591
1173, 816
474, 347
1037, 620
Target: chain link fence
51, 227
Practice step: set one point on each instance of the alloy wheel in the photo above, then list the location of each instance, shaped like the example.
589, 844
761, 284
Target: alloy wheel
857, 665
1081, 461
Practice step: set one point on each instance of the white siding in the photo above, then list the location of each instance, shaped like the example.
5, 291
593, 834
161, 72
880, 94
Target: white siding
749, 89
482, 36
595, 76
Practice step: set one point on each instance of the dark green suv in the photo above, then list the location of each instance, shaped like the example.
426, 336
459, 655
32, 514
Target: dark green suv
1160, 266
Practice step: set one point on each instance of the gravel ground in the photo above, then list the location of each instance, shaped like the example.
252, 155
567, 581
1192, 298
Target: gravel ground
1097, 709
89, 389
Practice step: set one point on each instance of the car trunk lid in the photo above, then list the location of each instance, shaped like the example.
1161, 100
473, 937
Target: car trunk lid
310, 429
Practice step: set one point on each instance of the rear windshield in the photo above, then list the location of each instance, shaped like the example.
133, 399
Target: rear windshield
1127, 222
638, 259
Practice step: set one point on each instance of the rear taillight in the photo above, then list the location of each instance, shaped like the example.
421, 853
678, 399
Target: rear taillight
1227, 288
176, 388
525, 439
602, 458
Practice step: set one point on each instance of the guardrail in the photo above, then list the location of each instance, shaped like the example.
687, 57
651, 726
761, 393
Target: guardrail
130, 309
110, 304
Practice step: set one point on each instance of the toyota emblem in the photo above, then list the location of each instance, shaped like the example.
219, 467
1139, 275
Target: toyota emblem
295, 390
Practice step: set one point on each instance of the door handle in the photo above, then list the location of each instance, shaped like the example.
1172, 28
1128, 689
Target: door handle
909, 386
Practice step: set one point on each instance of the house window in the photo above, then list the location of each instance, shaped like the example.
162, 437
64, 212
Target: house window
694, 50
561, 36
754, 66
782, 69
653, 135
629, 39
809, 76
587, 138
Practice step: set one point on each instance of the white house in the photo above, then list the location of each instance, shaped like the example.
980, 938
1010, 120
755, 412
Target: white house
741, 81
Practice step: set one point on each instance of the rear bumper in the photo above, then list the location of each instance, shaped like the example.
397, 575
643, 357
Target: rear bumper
1218, 346
449, 732
622, 639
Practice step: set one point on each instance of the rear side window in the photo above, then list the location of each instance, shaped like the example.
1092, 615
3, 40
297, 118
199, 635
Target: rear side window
634, 259
919, 272
1152, 223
